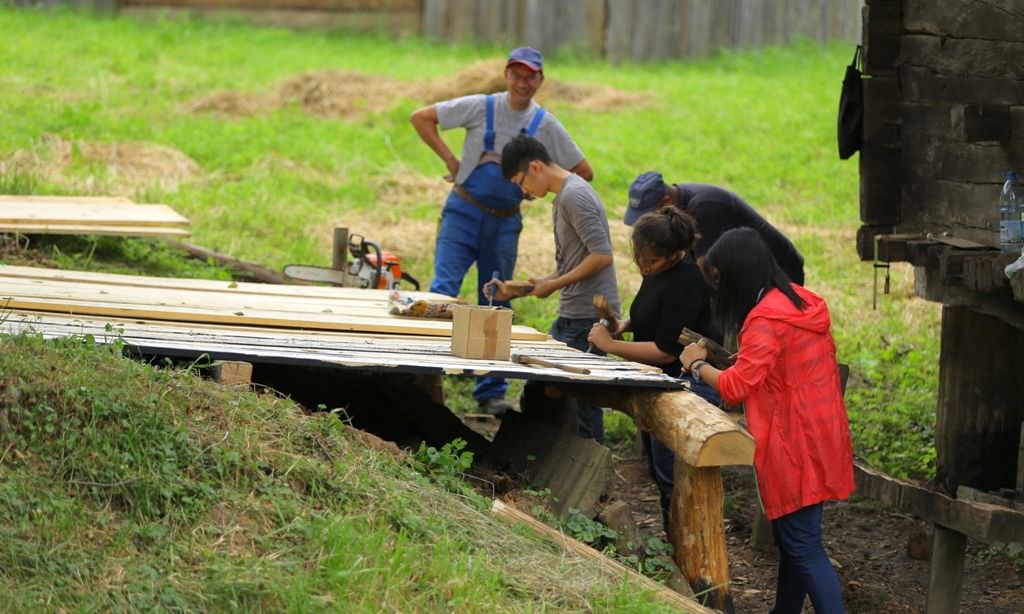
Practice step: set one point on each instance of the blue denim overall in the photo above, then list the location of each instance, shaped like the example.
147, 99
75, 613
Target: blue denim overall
469, 233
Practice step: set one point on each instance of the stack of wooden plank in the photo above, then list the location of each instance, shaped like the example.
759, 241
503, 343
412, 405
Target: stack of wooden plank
89, 215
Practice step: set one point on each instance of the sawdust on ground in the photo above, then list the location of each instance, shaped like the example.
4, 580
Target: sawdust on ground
350, 95
118, 169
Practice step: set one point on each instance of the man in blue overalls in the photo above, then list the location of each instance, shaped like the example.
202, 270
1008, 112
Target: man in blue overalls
481, 221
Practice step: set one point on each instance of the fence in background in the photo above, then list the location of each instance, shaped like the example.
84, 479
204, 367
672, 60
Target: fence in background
641, 29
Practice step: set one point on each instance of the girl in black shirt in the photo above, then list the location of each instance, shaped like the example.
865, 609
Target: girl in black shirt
673, 296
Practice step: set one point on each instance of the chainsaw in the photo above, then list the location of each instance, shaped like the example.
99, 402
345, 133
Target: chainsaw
371, 267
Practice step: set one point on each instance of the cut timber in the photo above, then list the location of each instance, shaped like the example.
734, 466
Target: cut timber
510, 514
90, 214
618, 516
947, 571
230, 372
248, 270
698, 432
73, 229
697, 532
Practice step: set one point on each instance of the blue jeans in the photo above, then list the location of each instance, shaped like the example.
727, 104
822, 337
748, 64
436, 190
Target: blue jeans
804, 568
573, 332
661, 461
466, 235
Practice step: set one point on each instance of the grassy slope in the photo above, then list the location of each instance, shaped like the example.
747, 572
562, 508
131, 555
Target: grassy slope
168, 492
761, 123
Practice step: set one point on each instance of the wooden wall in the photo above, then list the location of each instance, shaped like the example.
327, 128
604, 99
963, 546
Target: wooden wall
641, 29
944, 114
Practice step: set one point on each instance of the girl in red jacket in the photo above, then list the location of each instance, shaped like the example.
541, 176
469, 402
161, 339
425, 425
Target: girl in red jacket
787, 377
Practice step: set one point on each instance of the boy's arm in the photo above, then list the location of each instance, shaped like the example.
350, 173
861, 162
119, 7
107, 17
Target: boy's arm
591, 265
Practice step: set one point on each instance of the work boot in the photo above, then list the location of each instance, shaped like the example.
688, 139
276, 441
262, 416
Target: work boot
495, 406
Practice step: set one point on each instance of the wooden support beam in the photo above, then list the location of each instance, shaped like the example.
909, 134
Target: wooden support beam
231, 372
697, 533
983, 521
698, 432
509, 514
947, 571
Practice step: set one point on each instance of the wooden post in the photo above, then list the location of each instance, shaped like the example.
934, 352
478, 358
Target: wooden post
979, 415
1020, 464
339, 257
946, 577
697, 533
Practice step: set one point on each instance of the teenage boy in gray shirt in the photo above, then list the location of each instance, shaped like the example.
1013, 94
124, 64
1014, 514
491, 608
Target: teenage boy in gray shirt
583, 253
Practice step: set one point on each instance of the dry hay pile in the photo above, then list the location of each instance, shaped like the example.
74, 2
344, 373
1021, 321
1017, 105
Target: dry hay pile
232, 104
111, 168
341, 94
350, 95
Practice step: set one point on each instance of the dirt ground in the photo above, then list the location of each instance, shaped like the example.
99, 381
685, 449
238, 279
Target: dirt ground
868, 544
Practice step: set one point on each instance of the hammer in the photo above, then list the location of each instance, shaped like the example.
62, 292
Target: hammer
523, 359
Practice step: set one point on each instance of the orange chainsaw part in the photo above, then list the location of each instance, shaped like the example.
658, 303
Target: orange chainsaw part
390, 264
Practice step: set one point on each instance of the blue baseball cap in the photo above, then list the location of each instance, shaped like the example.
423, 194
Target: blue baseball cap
528, 57
645, 195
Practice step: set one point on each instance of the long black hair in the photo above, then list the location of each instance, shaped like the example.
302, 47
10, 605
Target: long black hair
664, 232
741, 269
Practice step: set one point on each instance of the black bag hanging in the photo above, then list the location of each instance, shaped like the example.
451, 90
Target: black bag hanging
851, 108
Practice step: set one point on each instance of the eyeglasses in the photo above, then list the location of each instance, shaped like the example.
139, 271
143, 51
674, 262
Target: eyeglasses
526, 195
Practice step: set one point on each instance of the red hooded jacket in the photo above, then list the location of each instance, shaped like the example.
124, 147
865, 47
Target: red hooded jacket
786, 374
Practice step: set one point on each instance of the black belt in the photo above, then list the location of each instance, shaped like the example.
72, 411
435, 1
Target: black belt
469, 198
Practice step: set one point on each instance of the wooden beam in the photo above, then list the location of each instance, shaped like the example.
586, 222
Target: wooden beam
698, 432
511, 515
982, 521
90, 214
697, 533
947, 571
75, 229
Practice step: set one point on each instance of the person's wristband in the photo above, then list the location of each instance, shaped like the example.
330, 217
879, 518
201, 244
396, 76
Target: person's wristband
695, 368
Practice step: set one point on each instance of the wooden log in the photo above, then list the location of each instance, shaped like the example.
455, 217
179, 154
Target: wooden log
250, 270
965, 19
230, 372
945, 578
962, 57
509, 514
922, 85
866, 240
698, 432
880, 176
697, 533
882, 102
979, 414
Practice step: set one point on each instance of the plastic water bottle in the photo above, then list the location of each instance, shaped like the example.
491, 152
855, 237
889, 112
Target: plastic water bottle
1011, 208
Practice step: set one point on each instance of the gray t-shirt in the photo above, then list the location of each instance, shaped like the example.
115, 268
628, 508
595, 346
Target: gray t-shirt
470, 112
581, 229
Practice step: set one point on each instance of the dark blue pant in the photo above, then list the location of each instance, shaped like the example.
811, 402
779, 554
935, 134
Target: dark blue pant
466, 235
573, 332
804, 568
661, 461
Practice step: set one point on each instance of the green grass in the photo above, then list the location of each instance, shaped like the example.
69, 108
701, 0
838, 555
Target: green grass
167, 492
759, 122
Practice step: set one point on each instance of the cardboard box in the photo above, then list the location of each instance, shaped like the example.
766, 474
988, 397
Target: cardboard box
481, 332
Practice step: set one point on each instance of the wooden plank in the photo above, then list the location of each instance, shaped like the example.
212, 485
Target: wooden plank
619, 32
946, 575
73, 229
90, 214
230, 372
697, 533
337, 5
512, 515
597, 14
435, 19
343, 295
32, 200
366, 352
